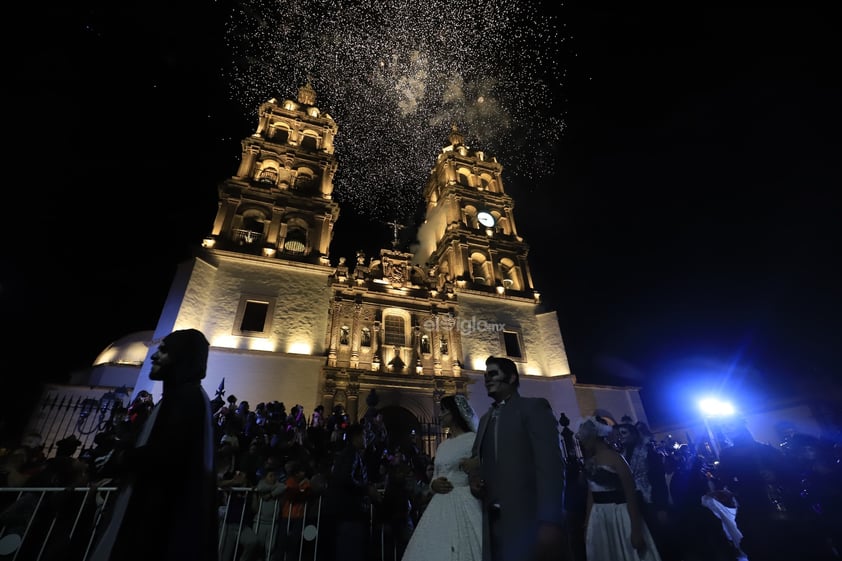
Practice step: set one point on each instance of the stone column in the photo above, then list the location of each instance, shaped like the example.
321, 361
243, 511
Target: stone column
525, 273
225, 216
462, 261
376, 353
494, 267
272, 237
227, 219
355, 336
335, 322
511, 217
328, 393
247, 163
353, 406
326, 185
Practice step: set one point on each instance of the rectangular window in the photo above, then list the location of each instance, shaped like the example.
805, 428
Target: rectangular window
511, 341
254, 316
395, 331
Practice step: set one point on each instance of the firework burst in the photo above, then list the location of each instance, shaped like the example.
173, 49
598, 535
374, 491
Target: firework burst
395, 74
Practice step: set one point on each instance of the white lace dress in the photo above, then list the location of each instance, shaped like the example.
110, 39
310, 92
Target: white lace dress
451, 527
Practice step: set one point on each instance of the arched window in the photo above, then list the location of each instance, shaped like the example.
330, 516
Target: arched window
268, 175
296, 241
479, 269
280, 135
304, 180
463, 177
509, 274
395, 330
251, 228
309, 142
470, 213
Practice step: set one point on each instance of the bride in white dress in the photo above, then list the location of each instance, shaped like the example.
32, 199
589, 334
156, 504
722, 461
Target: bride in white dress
451, 527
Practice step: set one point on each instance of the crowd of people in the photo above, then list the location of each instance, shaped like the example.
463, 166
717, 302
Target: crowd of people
218, 480
752, 501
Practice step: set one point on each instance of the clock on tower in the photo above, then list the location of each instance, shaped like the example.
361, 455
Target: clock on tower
486, 218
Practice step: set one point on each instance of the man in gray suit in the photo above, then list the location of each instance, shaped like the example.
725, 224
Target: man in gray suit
518, 473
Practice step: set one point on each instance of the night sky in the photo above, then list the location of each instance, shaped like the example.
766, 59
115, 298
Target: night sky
688, 236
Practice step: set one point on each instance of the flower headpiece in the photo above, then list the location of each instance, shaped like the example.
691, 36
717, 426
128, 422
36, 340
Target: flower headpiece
466, 412
594, 425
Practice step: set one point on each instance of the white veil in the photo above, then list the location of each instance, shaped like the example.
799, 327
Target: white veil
466, 411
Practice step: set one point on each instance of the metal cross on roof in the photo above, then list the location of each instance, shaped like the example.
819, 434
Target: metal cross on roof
395, 227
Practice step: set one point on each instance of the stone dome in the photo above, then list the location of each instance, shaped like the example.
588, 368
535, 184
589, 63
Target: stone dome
129, 350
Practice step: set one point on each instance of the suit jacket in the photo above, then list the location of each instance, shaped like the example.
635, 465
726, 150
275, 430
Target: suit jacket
526, 479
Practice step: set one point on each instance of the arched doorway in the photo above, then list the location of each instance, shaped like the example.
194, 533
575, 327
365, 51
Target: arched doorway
405, 430
400, 423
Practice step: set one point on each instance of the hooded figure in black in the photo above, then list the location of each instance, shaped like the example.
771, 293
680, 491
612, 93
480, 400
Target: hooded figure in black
167, 508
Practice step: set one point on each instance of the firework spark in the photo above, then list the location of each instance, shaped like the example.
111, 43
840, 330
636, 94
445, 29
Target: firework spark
395, 74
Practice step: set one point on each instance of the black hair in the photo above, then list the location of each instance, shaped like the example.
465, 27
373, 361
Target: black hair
188, 350
633, 430
507, 366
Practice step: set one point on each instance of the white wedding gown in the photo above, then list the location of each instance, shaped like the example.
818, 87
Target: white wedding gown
450, 528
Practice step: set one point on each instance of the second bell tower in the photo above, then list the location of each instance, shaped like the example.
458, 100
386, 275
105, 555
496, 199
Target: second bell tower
469, 235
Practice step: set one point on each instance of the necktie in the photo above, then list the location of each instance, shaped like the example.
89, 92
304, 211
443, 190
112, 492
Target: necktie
494, 414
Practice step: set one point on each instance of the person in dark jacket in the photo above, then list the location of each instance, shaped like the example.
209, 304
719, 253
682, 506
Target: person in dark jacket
350, 497
518, 472
167, 508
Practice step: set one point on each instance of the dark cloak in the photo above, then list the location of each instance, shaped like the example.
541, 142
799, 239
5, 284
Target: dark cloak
169, 491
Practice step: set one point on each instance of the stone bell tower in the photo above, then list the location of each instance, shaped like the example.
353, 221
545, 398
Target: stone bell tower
280, 203
469, 236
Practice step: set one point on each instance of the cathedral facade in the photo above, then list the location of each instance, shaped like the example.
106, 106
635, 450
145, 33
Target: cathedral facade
288, 322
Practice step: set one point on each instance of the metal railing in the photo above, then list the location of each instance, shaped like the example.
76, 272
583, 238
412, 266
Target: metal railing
31, 522
61, 415
31, 526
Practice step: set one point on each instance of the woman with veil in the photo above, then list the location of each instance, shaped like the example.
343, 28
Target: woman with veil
451, 527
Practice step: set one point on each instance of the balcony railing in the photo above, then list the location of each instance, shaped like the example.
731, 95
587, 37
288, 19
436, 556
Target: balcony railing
247, 237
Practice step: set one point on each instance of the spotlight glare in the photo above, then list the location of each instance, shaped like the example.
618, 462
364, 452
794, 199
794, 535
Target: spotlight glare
714, 407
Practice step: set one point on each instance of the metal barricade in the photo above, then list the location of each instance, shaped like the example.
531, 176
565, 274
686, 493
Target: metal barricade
30, 526
33, 519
